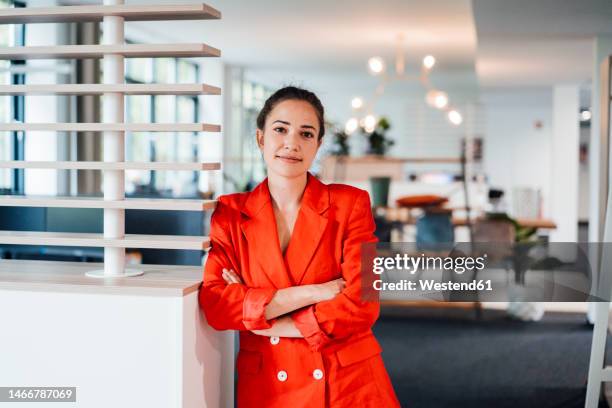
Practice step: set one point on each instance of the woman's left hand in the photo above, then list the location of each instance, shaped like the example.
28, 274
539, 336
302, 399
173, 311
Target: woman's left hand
230, 276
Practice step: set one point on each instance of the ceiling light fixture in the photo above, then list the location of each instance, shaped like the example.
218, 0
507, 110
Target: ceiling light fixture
377, 67
369, 123
351, 126
455, 117
429, 61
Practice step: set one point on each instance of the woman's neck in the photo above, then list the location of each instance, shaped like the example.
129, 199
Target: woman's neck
287, 192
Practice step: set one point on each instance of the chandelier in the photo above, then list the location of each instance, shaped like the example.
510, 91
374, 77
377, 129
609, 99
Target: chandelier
363, 111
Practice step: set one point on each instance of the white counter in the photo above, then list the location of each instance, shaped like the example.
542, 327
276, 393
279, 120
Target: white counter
122, 342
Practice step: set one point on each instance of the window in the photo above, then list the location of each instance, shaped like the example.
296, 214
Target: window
11, 107
163, 147
243, 158
6, 147
253, 98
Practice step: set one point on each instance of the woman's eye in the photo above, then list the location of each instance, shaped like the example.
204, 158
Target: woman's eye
308, 134
279, 129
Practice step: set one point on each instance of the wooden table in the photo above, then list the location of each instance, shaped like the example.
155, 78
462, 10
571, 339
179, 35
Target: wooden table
544, 223
395, 214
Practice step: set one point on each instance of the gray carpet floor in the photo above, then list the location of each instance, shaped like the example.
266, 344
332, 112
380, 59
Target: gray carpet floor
442, 358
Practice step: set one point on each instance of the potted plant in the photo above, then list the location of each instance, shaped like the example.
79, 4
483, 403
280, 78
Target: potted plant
379, 144
340, 146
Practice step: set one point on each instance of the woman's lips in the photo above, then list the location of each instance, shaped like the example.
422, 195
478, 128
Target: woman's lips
289, 159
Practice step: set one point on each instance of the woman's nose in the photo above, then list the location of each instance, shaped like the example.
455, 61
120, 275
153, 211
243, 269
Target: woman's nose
291, 140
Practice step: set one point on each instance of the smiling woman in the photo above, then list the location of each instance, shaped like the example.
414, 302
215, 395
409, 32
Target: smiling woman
284, 269
290, 130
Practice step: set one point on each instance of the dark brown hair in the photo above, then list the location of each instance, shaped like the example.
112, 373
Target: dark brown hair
292, 93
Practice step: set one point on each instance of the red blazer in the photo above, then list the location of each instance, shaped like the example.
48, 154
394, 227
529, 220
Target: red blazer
337, 363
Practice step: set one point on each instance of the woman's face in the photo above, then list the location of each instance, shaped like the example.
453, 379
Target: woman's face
290, 138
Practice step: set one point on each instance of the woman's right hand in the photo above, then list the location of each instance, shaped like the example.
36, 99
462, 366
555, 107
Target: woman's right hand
329, 290
287, 300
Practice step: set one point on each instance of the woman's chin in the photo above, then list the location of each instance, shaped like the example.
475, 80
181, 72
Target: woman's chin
290, 171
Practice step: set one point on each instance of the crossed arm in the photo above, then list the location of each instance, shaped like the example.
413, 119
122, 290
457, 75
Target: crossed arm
318, 313
287, 300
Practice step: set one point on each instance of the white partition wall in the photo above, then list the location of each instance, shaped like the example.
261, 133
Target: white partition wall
133, 342
113, 51
122, 338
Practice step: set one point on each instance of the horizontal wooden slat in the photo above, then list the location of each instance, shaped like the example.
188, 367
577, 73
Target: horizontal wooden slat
99, 89
99, 202
110, 127
97, 165
131, 12
98, 51
98, 240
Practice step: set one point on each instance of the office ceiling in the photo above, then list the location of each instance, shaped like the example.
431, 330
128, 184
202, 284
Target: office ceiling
331, 41
491, 43
538, 42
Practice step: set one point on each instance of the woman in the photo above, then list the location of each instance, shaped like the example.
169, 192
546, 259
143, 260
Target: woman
284, 269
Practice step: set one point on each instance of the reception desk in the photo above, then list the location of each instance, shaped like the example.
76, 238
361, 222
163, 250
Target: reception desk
122, 342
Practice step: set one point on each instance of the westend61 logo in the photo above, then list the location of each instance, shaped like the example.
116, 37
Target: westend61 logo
413, 264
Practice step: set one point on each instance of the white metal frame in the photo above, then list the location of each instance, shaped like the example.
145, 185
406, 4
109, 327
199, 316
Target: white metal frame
113, 51
599, 373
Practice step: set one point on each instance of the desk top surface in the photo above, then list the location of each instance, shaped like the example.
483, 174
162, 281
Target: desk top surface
402, 215
543, 223
157, 280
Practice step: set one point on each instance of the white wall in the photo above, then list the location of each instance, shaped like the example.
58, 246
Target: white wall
565, 148
516, 152
118, 350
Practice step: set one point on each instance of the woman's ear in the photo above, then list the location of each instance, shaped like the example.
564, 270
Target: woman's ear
260, 138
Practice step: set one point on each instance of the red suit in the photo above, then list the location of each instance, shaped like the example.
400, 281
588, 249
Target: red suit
337, 363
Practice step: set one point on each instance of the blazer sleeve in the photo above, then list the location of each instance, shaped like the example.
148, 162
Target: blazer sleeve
347, 313
229, 306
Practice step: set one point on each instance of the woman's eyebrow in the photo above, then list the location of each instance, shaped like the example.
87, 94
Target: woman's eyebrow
287, 123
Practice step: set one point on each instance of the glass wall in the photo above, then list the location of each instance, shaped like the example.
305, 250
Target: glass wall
253, 97
244, 164
10, 106
6, 148
163, 147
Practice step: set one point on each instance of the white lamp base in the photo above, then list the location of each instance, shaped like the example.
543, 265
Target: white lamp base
99, 273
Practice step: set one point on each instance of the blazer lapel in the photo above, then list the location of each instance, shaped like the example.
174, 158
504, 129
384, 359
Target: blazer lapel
259, 229
309, 227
